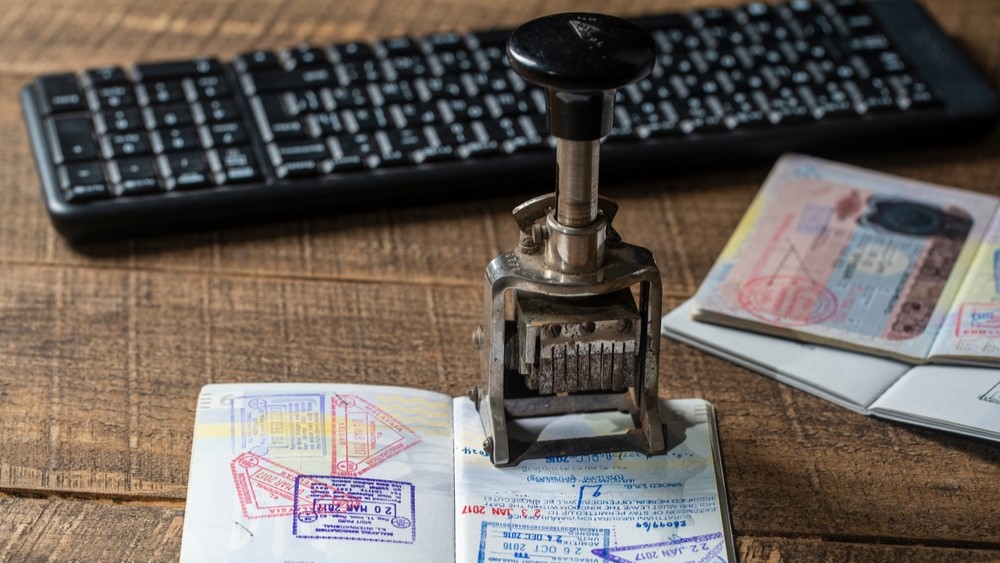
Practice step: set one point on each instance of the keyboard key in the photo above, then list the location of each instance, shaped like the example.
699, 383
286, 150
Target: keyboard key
83, 182
168, 116
216, 110
72, 138
457, 62
273, 120
346, 163
112, 97
281, 81
304, 56
480, 148
223, 134
134, 176
306, 101
463, 109
365, 119
435, 154
128, 119
185, 170
509, 104
299, 169
504, 129
398, 92
324, 124
361, 71
207, 88
420, 113
398, 46
362, 144
448, 42
238, 165
105, 76
257, 60
175, 139
407, 66
405, 140
285, 152
344, 98
352, 51
454, 134
160, 92
60, 93
492, 82
443, 87
119, 145
176, 69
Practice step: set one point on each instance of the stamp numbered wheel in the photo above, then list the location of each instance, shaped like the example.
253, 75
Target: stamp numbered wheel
347, 467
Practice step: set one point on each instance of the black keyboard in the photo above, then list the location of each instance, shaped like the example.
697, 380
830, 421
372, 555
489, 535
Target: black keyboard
170, 145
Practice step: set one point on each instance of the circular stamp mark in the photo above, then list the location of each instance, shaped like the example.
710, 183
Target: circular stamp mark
401, 522
787, 300
347, 466
248, 461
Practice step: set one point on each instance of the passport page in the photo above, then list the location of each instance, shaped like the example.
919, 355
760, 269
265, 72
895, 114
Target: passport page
971, 332
320, 472
619, 507
848, 257
964, 400
849, 379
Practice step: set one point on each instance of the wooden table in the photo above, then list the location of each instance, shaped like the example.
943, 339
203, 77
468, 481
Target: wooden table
103, 348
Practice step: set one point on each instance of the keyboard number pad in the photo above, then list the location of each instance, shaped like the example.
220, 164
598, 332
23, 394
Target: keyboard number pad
161, 127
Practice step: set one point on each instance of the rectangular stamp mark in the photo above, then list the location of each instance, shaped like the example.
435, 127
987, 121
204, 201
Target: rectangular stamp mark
978, 320
510, 542
365, 436
701, 548
279, 426
354, 508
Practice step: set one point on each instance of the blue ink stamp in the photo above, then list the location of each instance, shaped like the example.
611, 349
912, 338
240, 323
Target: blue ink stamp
702, 548
279, 426
509, 542
337, 507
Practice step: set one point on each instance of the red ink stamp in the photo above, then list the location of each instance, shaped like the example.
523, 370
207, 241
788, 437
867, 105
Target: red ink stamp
264, 488
787, 300
365, 436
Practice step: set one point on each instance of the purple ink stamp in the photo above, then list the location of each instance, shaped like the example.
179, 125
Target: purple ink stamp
354, 508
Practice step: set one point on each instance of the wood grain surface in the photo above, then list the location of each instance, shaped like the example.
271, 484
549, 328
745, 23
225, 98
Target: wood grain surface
103, 348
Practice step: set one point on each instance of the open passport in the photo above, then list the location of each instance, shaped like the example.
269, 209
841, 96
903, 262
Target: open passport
863, 275
340, 472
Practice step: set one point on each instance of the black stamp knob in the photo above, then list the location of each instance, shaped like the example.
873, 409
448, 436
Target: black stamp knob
581, 59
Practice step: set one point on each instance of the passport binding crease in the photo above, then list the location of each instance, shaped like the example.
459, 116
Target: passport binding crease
264, 484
